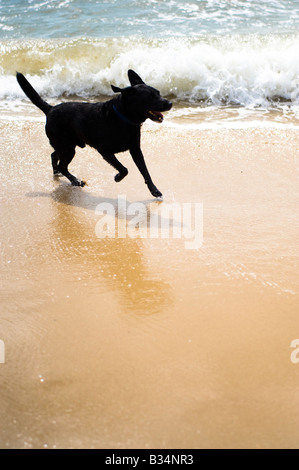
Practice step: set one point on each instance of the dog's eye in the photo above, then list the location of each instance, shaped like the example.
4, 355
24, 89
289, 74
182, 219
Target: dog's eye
155, 94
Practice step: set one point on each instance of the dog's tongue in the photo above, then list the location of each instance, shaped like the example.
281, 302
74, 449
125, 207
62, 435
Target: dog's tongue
156, 116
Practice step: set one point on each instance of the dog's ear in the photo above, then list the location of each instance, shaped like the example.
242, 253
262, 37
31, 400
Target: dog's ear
134, 78
116, 89
124, 91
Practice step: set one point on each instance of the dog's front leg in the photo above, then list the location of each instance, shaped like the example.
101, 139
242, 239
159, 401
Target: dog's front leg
138, 158
112, 160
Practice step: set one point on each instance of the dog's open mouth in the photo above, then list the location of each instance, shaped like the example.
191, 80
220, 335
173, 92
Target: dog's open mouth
155, 116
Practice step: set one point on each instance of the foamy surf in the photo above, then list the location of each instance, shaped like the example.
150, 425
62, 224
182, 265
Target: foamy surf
233, 70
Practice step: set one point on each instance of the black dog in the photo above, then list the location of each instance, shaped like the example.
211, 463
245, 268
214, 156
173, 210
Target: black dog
109, 127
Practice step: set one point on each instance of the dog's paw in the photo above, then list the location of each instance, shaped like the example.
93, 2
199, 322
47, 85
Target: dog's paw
120, 176
155, 192
80, 183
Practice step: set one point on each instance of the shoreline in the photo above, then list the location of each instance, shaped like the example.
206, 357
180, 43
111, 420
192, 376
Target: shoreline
183, 120
126, 343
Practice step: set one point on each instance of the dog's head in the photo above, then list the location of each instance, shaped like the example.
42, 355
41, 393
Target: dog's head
141, 101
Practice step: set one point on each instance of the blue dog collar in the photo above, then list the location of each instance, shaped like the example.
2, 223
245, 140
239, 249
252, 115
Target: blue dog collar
124, 118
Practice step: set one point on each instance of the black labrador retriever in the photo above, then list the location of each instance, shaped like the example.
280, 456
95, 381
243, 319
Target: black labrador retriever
109, 127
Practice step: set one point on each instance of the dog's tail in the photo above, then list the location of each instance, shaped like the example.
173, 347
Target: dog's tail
32, 94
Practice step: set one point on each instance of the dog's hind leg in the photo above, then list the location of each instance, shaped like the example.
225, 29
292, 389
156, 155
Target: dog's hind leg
55, 160
112, 160
65, 156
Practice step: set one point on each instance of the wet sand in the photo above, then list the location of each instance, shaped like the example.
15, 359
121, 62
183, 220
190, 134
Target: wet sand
125, 343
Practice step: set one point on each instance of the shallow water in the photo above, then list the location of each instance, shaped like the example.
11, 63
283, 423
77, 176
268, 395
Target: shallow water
140, 342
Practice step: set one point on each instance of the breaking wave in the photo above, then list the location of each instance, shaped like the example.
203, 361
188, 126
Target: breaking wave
246, 70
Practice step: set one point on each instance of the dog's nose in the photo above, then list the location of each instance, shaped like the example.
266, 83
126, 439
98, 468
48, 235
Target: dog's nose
167, 105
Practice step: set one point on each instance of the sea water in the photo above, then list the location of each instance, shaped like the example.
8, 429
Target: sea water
222, 62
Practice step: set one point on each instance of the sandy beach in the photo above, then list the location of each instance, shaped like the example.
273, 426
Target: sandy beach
136, 343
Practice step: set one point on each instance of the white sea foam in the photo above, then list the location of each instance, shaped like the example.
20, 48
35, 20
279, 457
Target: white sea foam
203, 76
247, 71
